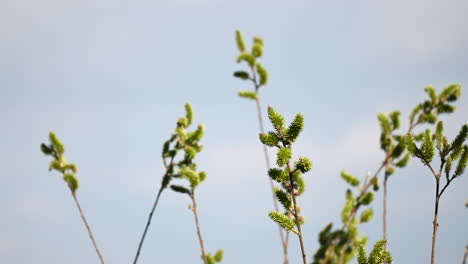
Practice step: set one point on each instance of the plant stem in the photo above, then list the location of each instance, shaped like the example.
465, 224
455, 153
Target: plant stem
284, 241
435, 223
147, 225
466, 255
88, 228
385, 207
194, 210
296, 215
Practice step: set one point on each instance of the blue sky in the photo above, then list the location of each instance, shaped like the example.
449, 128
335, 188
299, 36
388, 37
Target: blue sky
111, 78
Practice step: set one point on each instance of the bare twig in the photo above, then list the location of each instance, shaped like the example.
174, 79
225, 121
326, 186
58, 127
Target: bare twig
284, 241
465, 256
200, 238
88, 228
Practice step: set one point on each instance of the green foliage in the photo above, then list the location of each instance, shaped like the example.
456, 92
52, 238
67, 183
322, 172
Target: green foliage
283, 156
303, 164
350, 179
56, 149
462, 162
284, 198
262, 74
276, 120
283, 221
378, 255
367, 198
427, 146
295, 128
270, 139
248, 95
240, 41
367, 215
180, 189
278, 175
217, 258
242, 75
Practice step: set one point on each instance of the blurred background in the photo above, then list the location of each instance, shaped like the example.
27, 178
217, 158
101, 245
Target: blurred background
111, 78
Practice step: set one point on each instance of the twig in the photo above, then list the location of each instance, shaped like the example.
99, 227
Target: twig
284, 241
296, 215
466, 255
88, 228
147, 225
194, 210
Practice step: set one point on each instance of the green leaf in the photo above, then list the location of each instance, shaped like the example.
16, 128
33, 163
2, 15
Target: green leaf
448, 166
367, 198
46, 149
415, 111
460, 138
240, 41
362, 255
283, 156
72, 181
384, 123
283, 221
297, 178
262, 74
70, 166
367, 215
451, 93
180, 189
284, 198
242, 75
248, 95
403, 161
295, 128
270, 139
189, 113
56, 143
398, 150
218, 257
438, 135
247, 58
350, 179
446, 109
191, 176
277, 175
303, 164
395, 117
462, 162
276, 119
430, 90
427, 146
257, 50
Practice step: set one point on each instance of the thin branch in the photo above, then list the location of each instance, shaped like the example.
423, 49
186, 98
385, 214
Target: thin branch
194, 210
296, 215
88, 228
466, 255
155, 204
435, 223
147, 225
284, 241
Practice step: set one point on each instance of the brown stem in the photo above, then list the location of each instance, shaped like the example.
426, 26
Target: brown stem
435, 223
284, 242
296, 215
147, 225
194, 210
466, 255
385, 207
88, 228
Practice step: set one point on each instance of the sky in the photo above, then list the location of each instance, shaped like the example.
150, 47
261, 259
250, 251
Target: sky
111, 78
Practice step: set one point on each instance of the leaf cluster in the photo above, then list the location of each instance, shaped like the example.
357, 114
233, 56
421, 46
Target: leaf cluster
258, 73
56, 149
289, 177
378, 255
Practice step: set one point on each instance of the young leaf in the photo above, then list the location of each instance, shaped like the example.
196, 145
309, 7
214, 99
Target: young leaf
395, 117
283, 156
242, 75
430, 90
295, 128
276, 119
248, 95
283, 198
427, 146
367, 215
262, 73
72, 182
240, 41
384, 123
403, 161
350, 179
367, 198
270, 139
247, 58
218, 257
180, 189
46, 149
283, 221
462, 162
303, 164
277, 175
257, 50
56, 143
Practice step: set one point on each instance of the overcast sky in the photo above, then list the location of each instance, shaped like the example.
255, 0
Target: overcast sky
111, 78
